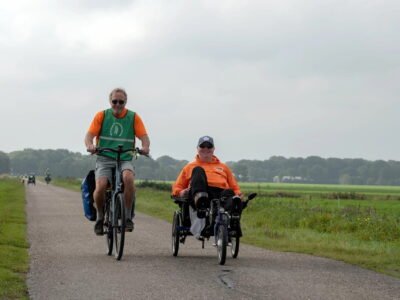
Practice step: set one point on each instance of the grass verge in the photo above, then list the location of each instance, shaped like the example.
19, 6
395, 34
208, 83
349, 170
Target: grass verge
68, 183
14, 257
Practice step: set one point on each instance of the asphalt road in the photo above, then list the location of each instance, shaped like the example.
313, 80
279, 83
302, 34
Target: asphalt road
69, 262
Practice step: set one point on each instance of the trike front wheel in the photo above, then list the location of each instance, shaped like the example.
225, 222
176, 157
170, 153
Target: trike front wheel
222, 241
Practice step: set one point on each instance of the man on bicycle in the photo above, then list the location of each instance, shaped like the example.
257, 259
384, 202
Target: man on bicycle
112, 127
207, 178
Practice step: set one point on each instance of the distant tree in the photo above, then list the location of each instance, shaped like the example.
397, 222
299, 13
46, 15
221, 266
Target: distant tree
64, 163
345, 179
4, 163
241, 171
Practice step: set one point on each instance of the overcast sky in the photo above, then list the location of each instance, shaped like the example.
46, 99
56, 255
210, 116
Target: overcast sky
287, 77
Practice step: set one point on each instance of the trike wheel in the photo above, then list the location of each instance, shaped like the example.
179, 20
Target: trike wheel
119, 223
175, 234
235, 240
222, 241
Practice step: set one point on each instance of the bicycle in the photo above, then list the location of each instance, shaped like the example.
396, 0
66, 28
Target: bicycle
224, 225
114, 208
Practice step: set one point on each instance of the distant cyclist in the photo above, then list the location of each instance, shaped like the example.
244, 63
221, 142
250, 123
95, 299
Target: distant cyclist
47, 176
112, 127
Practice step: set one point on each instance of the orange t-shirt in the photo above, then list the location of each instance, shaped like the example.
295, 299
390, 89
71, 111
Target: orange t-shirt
138, 125
218, 175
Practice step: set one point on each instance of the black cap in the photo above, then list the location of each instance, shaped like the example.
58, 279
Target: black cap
205, 139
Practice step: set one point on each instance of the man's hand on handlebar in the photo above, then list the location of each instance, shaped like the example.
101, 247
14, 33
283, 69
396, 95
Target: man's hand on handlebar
144, 151
92, 149
184, 193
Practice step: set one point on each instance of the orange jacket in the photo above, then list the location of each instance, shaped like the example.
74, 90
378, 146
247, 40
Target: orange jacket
218, 175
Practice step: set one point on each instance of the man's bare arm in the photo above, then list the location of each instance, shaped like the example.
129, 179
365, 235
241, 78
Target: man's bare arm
89, 142
145, 140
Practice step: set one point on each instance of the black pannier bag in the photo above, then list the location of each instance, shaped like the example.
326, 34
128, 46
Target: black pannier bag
87, 188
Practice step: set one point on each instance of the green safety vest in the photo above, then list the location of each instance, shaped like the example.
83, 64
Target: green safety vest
116, 132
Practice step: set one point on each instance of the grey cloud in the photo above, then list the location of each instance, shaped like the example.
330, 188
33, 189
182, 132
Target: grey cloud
263, 78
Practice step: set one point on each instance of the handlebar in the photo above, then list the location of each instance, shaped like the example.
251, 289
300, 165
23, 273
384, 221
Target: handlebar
119, 150
178, 199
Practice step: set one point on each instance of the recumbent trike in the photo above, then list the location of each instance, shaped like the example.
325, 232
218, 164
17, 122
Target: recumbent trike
221, 222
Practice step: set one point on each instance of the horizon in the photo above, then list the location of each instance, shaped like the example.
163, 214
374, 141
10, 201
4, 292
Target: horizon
180, 159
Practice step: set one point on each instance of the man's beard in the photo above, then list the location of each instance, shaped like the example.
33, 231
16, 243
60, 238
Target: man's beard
118, 111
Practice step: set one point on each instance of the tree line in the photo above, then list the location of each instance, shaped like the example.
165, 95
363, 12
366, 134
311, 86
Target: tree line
313, 169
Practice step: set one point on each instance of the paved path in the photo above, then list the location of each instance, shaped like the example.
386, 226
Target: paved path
69, 262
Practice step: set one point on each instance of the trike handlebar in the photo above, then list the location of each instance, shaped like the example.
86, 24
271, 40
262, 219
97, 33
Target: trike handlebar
180, 200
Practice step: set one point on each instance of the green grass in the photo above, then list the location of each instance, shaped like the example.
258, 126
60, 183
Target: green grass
14, 258
68, 183
366, 236
362, 231
331, 191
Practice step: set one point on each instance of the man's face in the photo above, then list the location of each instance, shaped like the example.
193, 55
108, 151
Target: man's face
205, 151
117, 102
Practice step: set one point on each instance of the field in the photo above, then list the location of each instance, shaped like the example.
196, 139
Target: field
13, 243
356, 224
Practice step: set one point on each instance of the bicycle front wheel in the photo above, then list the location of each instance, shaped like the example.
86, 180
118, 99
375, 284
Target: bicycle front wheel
108, 228
119, 222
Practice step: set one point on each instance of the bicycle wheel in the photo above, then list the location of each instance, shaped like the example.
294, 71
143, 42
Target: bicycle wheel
235, 240
175, 234
119, 225
108, 228
222, 241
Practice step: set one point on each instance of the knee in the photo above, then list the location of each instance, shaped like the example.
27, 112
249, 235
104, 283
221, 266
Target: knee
101, 185
198, 169
128, 178
198, 173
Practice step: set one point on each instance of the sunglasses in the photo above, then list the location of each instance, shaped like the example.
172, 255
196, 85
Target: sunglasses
207, 145
120, 102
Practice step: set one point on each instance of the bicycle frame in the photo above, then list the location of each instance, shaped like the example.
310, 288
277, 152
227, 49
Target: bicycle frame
115, 203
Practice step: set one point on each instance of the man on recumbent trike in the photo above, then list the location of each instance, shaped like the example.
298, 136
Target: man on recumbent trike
202, 180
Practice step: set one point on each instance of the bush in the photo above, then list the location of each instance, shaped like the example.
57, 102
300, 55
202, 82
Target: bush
161, 186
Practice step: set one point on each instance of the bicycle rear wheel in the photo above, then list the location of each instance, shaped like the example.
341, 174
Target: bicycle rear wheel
108, 228
119, 223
